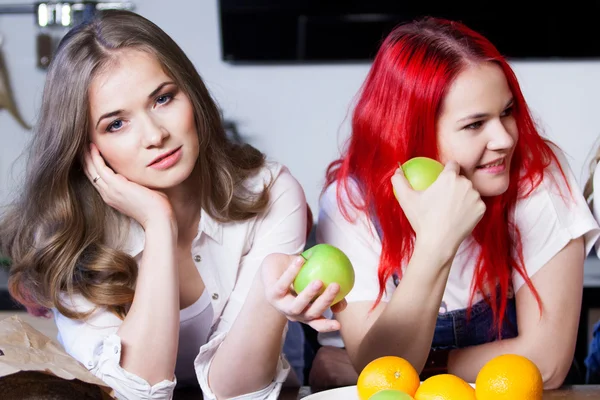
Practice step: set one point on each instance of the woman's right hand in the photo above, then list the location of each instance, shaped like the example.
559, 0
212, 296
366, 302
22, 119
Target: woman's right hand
129, 198
446, 212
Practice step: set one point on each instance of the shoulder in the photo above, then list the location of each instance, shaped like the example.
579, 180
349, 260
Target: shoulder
338, 198
557, 186
555, 208
277, 178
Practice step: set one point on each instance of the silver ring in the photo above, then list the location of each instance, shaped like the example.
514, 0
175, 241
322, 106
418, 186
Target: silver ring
96, 178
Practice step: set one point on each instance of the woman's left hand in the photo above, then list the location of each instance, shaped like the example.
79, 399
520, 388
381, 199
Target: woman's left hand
278, 272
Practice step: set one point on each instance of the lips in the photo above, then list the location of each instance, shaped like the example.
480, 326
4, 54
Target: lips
163, 156
495, 163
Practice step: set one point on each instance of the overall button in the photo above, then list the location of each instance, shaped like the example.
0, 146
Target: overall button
215, 296
197, 258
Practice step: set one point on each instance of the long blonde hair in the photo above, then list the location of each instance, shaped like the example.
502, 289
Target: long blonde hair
59, 234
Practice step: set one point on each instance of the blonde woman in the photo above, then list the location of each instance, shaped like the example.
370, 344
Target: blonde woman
164, 251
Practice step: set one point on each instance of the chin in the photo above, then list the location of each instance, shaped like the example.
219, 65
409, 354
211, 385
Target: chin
492, 190
171, 179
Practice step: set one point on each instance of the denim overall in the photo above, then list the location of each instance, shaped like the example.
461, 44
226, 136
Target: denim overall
592, 361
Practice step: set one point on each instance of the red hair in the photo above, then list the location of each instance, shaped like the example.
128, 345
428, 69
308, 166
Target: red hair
395, 119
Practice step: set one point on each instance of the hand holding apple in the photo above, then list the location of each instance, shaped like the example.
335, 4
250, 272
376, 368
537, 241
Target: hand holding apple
444, 214
277, 274
328, 264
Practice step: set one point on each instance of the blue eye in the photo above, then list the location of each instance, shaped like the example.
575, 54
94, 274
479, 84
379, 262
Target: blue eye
114, 126
165, 98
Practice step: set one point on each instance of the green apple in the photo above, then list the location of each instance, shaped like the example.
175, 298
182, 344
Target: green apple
327, 264
421, 172
391, 394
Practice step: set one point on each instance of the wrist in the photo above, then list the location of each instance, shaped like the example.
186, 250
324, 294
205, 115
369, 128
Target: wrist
433, 251
161, 223
258, 302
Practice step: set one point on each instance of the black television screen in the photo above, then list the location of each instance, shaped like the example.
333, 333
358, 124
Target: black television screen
302, 31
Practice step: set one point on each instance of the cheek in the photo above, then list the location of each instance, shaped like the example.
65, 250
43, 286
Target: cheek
461, 151
119, 158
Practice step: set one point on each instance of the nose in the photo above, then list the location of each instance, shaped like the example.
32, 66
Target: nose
500, 138
154, 133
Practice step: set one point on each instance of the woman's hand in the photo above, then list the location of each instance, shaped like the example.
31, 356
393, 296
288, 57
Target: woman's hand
129, 198
446, 212
278, 272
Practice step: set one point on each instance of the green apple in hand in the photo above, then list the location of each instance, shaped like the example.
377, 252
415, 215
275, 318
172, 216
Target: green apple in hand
421, 172
327, 264
391, 394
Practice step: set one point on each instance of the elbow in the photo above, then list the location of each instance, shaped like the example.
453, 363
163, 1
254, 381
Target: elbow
554, 372
554, 376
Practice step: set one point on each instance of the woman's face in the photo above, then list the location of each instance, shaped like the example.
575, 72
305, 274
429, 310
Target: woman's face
476, 127
142, 123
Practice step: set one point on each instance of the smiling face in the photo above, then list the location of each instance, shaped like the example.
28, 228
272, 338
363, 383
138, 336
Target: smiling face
142, 123
476, 127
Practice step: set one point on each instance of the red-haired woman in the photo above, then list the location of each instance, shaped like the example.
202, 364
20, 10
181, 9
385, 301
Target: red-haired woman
489, 259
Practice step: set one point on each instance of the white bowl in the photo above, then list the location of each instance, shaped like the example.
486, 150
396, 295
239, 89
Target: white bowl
345, 393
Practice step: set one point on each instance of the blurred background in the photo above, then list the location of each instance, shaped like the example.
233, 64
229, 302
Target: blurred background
285, 72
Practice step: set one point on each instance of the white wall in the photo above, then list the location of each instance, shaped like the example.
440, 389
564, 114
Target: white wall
296, 114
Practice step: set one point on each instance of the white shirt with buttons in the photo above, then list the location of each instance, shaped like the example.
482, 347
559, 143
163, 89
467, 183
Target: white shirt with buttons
228, 256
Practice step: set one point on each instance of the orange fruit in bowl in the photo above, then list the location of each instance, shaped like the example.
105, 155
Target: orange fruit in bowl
509, 376
445, 387
388, 372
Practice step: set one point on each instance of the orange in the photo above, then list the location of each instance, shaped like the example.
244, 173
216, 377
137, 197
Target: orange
387, 372
509, 376
445, 387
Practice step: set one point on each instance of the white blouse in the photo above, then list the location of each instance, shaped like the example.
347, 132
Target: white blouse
547, 220
228, 256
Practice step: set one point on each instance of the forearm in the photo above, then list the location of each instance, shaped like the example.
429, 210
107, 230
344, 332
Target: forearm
150, 332
405, 327
254, 342
553, 365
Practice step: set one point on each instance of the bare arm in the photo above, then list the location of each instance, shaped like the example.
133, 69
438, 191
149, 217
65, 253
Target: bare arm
150, 332
254, 342
559, 284
403, 327
441, 216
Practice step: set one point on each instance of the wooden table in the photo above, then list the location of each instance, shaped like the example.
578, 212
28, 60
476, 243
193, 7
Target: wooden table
579, 392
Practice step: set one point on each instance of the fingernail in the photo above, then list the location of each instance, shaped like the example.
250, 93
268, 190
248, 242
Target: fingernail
316, 284
299, 261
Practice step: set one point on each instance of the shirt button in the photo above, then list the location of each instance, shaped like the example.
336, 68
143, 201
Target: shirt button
90, 364
197, 258
215, 296
116, 349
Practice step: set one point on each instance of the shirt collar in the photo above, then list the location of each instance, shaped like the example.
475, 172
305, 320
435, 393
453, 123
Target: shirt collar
134, 244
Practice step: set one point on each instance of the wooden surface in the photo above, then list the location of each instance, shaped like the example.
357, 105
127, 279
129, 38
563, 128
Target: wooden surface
581, 392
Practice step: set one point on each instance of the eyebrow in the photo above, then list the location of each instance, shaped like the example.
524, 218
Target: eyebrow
483, 115
117, 112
